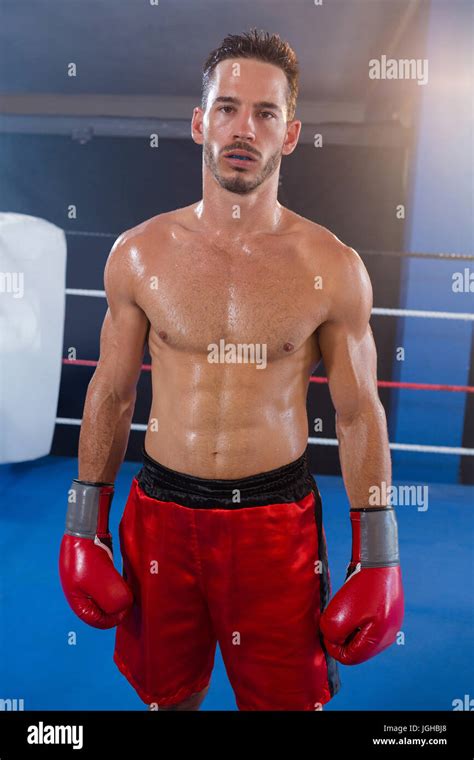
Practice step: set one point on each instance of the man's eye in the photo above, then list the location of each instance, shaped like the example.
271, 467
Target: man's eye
224, 107
267, 113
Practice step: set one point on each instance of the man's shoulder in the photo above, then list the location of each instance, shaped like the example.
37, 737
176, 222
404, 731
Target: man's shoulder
147, 241
323, 244
345, 277
149, 228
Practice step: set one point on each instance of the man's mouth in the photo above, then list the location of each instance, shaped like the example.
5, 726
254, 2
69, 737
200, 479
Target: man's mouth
241, 157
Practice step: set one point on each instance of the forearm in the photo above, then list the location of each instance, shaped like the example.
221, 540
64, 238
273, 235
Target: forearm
104, 432
365, 456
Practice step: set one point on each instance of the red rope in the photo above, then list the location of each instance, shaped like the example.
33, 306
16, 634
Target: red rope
314, 379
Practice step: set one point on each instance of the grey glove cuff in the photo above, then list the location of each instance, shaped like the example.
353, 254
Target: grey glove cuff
82, 515
378, 537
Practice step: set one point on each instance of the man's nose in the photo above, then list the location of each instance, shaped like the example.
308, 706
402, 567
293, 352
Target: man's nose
244, 127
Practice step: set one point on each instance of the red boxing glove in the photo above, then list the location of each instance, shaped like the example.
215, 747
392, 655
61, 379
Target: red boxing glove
365, 615
95, 590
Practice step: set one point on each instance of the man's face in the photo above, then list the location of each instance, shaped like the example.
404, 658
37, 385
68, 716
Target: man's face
245, 111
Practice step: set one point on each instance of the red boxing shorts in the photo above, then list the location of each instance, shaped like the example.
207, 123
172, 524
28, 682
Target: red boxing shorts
241, 562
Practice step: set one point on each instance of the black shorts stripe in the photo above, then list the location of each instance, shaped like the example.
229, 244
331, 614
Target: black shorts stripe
282, 485
334, 678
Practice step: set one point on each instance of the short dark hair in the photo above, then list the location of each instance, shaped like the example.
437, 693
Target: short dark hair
261, 46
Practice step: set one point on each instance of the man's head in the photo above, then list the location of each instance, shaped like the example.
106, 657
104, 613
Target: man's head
249, 92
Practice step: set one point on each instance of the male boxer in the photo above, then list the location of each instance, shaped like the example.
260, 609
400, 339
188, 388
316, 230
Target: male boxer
238, 299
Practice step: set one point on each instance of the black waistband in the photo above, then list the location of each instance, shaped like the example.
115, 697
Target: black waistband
283, 485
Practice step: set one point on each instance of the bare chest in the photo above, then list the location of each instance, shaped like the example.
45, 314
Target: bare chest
196, 295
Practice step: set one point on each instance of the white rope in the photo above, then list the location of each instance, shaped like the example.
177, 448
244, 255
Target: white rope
423, 314
83, 292
70, 421
84, 233
404, 447
326, 441
383, 312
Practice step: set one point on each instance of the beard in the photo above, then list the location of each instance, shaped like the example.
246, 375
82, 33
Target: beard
238, 182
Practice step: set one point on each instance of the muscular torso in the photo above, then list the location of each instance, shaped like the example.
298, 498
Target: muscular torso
220, 419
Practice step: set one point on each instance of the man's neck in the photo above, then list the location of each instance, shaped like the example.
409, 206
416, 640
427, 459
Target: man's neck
232, 215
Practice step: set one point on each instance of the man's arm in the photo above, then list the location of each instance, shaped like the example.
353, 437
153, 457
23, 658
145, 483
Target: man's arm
365, 615
111, 394
350, 359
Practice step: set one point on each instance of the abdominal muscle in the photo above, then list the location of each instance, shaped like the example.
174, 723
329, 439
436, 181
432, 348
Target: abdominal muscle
227, 421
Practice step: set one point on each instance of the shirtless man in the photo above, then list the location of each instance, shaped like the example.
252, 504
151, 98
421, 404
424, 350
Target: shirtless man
222, 539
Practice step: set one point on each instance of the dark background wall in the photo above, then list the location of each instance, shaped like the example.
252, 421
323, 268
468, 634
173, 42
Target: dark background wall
116, 183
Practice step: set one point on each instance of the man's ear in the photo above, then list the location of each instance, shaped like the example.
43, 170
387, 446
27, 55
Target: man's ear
292, 135
197, 125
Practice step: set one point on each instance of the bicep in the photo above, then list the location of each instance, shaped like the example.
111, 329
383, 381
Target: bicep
346, 340
124, 330
350, 360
